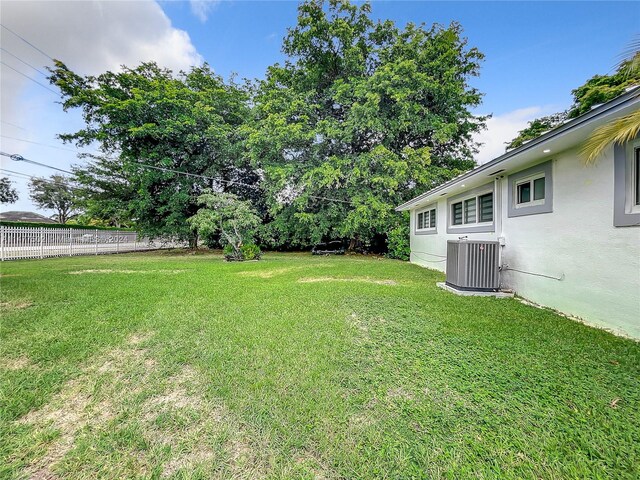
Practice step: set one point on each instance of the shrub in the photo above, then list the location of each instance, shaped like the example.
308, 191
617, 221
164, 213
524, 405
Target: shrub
398, 242
250, 251
231, 254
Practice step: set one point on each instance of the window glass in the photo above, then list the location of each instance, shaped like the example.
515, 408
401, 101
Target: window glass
524, 192
420, 220
538, 189
470, 211
456, 212
486, 207
433, 219
637, 176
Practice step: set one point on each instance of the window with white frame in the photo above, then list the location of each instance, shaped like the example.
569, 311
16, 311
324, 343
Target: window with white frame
476, 209
530, 191
426, 220
636, 176
626, 198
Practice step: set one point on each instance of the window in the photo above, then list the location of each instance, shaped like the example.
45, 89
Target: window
531, 191
426, 220
486, 207
626, 184
636, 177
456, 213
475, 209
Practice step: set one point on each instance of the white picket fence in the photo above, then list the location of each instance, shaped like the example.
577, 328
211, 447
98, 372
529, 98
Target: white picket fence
41, 242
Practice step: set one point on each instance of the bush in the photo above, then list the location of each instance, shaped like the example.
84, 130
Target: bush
230, 253
250, 251
398, 242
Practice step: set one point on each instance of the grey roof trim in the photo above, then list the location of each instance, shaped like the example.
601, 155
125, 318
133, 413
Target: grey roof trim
575, 123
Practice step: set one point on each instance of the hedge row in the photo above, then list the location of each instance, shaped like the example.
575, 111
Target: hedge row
60, 225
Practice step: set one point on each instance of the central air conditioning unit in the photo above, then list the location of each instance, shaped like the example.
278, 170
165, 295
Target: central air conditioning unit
473, 265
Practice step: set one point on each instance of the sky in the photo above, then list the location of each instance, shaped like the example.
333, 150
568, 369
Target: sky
535, 54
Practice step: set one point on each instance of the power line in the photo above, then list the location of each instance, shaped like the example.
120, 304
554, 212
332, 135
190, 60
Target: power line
28, 42
27, 76
13, 125
20, 60
20, 158
42, 144
24, 176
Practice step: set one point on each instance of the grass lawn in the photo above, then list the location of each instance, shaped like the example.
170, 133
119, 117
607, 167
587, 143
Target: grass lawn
164, 365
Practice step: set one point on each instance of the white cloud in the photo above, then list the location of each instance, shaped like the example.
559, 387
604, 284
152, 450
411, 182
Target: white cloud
90, 37
202, 8
503, 128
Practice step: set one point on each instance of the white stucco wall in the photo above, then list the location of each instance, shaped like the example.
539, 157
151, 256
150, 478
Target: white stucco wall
599, 263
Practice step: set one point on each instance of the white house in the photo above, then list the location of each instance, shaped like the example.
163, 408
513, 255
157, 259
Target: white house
569, 232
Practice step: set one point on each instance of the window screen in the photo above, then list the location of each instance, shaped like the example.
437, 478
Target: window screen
538, 189
486, 207
524, 192
456, 213
637, 176
470, 211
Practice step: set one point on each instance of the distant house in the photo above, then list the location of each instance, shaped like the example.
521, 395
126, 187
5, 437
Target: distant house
569, 233
30, 217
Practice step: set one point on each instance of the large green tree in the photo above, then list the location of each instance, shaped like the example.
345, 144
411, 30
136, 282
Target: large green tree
359, 118
55, 193
148, 121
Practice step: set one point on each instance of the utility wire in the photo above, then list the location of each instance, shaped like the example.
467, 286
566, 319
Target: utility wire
27, 42
22, 61
20, 158
27, 76
13, 125
43, 144
24, 176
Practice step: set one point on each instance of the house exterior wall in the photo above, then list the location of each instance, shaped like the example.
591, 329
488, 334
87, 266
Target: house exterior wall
597, 263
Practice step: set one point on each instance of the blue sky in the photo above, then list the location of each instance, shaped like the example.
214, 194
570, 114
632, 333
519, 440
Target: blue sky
536, 53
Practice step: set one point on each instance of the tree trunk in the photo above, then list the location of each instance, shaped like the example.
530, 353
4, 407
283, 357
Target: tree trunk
193, 241
355, 245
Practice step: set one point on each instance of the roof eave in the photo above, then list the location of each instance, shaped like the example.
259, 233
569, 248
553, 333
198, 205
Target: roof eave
536, 142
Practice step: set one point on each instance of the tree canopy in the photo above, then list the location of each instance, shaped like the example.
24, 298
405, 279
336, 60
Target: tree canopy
359, 118
148, 121
8, 194
55, 193
225, 215
598, 89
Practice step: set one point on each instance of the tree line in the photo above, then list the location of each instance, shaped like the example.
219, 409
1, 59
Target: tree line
361, 116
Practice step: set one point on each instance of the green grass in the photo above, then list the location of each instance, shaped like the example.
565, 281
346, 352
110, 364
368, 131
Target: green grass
184, 366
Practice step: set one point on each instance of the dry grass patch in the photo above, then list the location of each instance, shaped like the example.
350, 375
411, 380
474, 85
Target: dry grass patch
108, 270
205, 424
87, 403
278, 271
15, 305
350, 279
17, 363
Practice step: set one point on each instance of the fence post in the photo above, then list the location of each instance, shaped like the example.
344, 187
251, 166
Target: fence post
96, 241
135, 242
117, 241
2, 243
41, 242
70, 243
